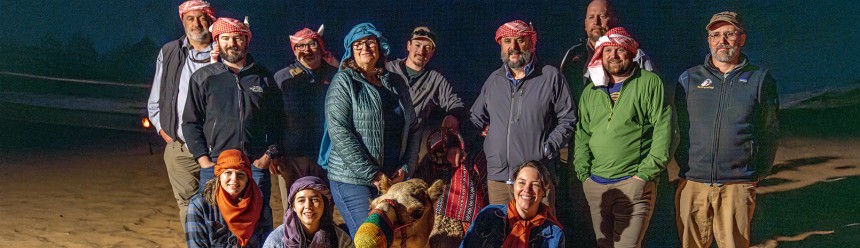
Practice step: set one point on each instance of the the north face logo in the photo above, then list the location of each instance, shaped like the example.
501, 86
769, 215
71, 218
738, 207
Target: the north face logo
256, 89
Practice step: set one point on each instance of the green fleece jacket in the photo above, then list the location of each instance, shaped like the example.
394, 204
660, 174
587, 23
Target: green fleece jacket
631, 138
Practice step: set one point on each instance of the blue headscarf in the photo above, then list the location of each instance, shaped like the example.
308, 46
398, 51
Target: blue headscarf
359, 31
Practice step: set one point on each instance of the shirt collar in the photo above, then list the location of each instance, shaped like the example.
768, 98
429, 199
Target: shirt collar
527, 71
188, 46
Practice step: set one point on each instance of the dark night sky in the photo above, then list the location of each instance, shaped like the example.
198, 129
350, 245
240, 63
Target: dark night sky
807, 45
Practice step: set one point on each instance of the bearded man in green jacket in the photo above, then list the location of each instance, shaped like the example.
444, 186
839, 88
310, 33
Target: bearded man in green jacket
622, 141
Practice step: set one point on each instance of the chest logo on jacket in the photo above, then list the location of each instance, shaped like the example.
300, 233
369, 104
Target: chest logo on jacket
256, 89
707, 84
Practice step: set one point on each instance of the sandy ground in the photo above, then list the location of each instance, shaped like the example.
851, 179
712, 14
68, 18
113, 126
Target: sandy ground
80, 187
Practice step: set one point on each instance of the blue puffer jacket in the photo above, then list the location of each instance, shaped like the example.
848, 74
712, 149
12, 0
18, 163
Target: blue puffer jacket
355, 127
491, 227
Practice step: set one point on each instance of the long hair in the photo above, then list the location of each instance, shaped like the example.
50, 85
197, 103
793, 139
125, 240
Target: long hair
210, 189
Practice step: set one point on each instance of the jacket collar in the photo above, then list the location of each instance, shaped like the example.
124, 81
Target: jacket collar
249, 63
743, 63
531, 67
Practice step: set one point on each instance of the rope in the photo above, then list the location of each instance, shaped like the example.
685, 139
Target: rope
144, 86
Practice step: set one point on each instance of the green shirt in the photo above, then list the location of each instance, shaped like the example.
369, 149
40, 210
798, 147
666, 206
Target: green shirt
631, 137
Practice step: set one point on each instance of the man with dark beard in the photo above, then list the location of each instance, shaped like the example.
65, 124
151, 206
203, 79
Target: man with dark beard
526, 109
177, 60
304, 85
622, 141
727, 113
429, 89
235, 104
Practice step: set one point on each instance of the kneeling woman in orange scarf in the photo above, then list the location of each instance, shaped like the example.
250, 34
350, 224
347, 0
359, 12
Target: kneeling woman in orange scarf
227, 214
525, 221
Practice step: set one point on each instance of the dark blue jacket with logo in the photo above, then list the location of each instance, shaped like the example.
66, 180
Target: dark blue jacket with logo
232, 111
728, 123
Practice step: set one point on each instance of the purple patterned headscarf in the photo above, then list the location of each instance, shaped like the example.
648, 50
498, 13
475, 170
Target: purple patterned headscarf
294, 235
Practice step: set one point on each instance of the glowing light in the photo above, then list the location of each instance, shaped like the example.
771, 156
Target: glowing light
145, 122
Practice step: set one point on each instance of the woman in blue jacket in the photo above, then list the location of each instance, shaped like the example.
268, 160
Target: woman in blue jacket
524, 221
371, 126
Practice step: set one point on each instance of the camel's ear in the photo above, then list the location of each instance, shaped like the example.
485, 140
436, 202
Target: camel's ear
384, 184
435, 191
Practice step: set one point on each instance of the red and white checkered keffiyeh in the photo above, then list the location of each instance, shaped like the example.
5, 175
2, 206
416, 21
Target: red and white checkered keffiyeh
226, 25
614, 37
193, 5
517, 28
305, 33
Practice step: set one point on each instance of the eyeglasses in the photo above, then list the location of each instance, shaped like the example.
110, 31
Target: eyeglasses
304, 47
731, 35
358, 45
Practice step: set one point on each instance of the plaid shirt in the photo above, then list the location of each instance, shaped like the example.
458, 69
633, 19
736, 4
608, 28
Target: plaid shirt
204, 227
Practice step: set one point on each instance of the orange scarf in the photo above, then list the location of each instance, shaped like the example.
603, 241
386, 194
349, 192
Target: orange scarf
519, 236
242, 216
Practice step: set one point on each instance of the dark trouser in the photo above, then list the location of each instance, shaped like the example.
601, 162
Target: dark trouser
261, 177
353, 202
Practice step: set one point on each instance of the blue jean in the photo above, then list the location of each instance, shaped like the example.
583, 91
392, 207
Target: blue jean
263, 180
353, 202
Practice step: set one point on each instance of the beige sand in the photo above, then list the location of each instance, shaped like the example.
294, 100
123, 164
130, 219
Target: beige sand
117, 195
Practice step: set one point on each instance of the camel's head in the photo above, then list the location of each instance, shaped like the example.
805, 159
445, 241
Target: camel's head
409, 207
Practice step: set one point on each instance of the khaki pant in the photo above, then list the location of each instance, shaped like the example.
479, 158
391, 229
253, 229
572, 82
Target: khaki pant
500, 193
620, 212
706, 213
183, 172
295, 168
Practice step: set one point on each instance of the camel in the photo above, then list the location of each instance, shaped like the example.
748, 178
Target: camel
402, 216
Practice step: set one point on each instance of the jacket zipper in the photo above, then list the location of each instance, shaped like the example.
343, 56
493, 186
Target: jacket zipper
612, 105
241, 113
508, 130
381, 158
717, 122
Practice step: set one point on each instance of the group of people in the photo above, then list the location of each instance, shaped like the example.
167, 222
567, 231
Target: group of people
331, 130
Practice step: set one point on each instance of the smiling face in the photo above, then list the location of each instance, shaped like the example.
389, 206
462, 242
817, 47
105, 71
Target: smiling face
233, 47
308, 53
529, 190
365, 51
309, 207
616, 61
233, 181
196, 24
515, 51
420, 52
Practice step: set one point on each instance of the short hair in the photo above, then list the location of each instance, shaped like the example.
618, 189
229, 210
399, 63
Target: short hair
543, 174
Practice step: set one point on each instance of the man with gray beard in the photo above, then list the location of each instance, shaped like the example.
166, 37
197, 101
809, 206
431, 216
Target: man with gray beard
727, 113
177, 60
526, 110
